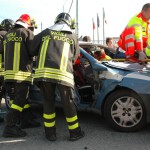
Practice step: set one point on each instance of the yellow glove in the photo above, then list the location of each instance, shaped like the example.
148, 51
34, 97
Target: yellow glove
33, 23
73, 24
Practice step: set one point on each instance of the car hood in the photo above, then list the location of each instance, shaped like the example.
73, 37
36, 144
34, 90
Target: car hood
127, 66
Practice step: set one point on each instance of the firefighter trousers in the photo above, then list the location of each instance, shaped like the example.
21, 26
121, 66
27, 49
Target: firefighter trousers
66, 94
19, 103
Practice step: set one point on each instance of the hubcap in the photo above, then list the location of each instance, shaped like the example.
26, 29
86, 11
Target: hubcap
126, 112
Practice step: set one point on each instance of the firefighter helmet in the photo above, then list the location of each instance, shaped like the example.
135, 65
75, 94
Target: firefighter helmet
7, 24
65, 17
24, 20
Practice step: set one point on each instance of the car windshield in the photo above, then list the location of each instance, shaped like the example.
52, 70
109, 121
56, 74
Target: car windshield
95, 50
87, 55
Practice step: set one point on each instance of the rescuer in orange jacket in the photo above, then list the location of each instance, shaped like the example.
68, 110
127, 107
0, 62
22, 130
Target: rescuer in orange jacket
134, 37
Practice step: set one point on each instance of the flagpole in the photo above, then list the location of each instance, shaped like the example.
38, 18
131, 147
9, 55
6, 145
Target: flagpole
97, 28
103, 27
97, 35
93, 29
77, 19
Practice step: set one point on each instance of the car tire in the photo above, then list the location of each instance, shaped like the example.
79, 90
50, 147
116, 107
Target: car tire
124, 111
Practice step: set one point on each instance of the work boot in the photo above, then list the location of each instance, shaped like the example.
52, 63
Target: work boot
29, 124
76, 134
51, 133
1, 119
13, 131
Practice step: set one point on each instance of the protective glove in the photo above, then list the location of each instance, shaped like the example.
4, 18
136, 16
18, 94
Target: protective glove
73, 24
142, 56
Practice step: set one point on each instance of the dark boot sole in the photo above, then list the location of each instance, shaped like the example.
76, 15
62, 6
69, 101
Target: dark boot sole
50, 139
77, 138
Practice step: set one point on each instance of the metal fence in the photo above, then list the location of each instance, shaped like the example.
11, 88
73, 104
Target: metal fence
103, 42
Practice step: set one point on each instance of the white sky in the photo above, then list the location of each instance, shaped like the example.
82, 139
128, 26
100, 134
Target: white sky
117, 12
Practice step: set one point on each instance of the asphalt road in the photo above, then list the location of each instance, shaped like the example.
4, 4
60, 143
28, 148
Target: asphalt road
99, 136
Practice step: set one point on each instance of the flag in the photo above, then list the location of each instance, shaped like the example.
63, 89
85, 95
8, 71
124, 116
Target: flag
104, 16
98, 22
93, 24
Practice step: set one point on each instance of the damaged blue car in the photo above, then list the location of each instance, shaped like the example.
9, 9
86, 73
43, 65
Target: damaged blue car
119, 91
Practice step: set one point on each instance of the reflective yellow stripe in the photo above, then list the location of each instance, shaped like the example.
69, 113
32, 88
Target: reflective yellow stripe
1, 69
0, 60
2, 73
129, 36
72, 119
43, 53
16, 107
52, 124
22, 76
11, 102
139, 40
130, 44
64, 58
72, 127
16, 62
17, 78
137, 25
54, 71
1, 64
26, 106
51, 116
55, 76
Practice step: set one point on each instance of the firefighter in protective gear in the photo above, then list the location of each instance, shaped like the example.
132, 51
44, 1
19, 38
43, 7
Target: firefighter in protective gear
134, 38
57, 49
17, 44
5, 26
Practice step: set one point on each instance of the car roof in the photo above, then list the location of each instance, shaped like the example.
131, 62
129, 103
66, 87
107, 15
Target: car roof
91, 45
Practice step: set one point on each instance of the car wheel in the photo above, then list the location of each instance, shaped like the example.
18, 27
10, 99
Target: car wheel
124, 110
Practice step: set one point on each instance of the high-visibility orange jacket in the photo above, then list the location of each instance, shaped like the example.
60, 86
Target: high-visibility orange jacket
135, 36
